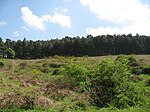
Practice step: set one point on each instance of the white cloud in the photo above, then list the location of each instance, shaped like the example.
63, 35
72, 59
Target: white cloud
31, 19
65, 10
25, 28
61, 10
34, 21
2, 23
131, 15
16, 33
61, 19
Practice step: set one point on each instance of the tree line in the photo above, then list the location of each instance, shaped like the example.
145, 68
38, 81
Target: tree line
79, 46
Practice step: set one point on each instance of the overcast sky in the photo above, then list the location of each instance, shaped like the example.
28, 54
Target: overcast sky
47, 19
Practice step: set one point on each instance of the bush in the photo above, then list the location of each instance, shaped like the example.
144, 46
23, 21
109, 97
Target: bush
131, 60
133, 64
111, 86
9, 53
76, 74
109, 82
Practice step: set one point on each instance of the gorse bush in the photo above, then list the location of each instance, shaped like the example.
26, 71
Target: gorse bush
116, 88
102, 83
110, 80
108, 83
133, 64
77, 75
131, 60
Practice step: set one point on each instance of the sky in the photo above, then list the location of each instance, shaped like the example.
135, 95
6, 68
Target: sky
51, 19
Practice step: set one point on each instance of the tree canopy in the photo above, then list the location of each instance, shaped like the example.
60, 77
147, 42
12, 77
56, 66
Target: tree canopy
79, 46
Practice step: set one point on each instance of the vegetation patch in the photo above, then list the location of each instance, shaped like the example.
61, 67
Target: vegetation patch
77, 84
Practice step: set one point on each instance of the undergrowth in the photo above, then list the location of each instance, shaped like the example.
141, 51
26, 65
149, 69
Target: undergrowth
75, 84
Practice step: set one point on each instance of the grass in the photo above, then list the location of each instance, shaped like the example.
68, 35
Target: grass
88, 110
22, 78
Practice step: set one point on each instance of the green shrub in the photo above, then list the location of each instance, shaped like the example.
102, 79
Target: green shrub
9, 53
109, 82
131, 60
76, 74
111, 85
133, 64
103, 83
